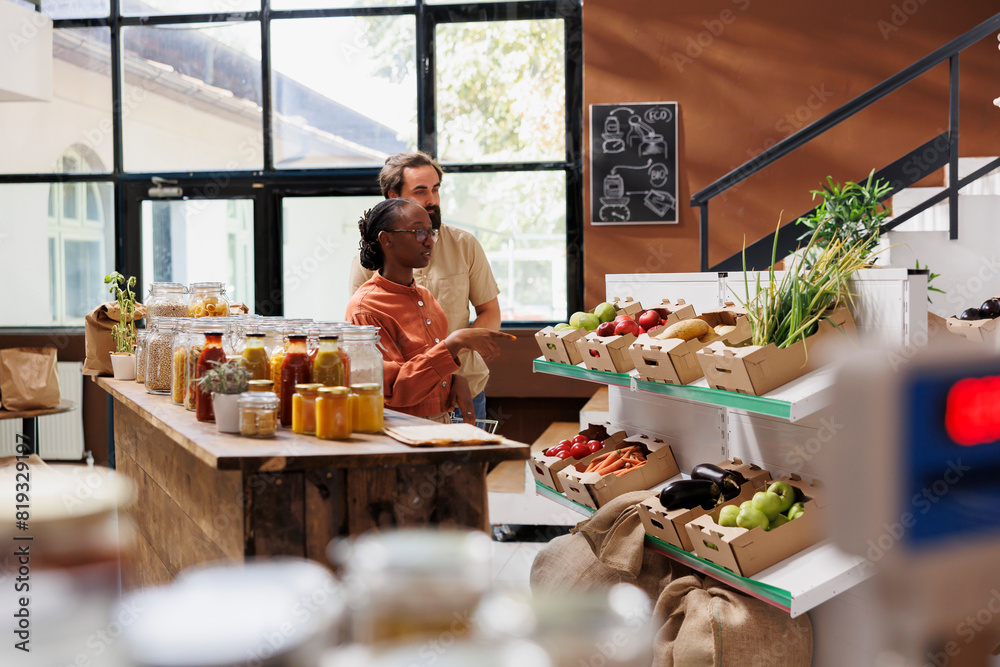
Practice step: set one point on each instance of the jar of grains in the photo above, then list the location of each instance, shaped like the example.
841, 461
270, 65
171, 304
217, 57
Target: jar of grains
159, 355
140, 356
166, 300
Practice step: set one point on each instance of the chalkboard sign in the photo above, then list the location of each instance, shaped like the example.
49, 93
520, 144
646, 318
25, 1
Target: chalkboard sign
633, 163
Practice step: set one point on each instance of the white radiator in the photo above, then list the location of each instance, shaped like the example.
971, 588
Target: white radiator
60, 436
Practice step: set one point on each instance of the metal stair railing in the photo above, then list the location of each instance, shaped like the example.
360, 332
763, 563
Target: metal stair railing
901, 173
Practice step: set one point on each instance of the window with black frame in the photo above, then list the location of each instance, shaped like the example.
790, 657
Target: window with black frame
302, 100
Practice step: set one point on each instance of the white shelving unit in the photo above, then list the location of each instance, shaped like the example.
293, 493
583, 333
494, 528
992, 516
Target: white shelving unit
777, 431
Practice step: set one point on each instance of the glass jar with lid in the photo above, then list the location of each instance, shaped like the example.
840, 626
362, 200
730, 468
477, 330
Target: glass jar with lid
328, 363
211, 354
258, 413
179, 351
159, 355
361, 345
304, 408
255, 357
333, 414
367, 406
208, 300
413, 584
194, 342
166, 300
295, 370
140, 356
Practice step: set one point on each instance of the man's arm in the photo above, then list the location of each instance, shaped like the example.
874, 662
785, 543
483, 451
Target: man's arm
488, 315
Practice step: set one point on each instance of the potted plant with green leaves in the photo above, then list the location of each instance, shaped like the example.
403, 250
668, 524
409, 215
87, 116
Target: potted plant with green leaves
123, 332
226, 381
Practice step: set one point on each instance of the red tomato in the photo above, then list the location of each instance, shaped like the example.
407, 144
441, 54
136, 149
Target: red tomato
580, 438
579, 450
565, 443
594, 445
552, 451
562, 454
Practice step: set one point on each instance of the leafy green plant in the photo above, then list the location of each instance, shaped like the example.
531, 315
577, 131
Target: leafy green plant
226, 377
123, 332
930, 278
791, 307
851, 213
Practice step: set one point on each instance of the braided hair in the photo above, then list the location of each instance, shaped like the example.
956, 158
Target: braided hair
376, 220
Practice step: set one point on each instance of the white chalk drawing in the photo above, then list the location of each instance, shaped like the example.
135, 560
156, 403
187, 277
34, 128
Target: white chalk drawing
634, 163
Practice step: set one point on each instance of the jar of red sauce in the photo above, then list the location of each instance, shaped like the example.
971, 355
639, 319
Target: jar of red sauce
210, 355
295, 369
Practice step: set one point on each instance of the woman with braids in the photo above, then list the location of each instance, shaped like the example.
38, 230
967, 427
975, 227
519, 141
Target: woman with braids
419, 355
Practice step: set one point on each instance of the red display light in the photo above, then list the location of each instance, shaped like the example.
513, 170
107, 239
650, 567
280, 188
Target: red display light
972, 414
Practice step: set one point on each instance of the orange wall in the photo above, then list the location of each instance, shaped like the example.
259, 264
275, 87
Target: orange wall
746, 74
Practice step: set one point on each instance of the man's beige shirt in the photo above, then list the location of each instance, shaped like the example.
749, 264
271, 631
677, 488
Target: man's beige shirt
457, 274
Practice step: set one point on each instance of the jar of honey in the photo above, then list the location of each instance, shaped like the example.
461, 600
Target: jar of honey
295, 370
258, 414
333, 414
366, 408
255, 357
304, 408
328, 366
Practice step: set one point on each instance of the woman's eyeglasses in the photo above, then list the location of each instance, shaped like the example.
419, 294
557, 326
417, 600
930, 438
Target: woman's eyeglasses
420, 234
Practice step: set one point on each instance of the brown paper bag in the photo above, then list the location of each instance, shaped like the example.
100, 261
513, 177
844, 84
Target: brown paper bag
28, 378
97, 336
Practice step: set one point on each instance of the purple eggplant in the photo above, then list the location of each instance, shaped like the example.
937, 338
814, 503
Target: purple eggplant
729, 481
690, 493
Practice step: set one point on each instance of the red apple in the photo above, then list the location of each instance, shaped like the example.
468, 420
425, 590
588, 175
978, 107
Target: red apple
622, 317
628, 327
650, 319
606, 329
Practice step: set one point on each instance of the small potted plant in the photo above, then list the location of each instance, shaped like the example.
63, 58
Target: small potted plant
226, 381
123, 331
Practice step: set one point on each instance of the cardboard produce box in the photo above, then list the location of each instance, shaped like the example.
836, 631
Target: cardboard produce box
756, 369
986, 332
594, 490
673, 312
668, 525
626, 306
747, 552
560, 346
606, 353
545, 468
674, 361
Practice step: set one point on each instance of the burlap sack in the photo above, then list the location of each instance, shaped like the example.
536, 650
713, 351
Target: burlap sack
605, 549
28, 378
708, 624
98, 341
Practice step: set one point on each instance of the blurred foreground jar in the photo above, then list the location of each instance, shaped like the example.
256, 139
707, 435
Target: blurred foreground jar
413, 584
258, 414
575, 627
279, 612
333, 414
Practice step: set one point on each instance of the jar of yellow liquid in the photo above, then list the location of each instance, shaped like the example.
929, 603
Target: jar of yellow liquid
366, 410
304, 408
334, 420
255, 357
328, 366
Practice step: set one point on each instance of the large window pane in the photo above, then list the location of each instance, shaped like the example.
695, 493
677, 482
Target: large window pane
199, 240
192, 95
320, 239
501, 91
161, 7
53, 266
35, 135
76, 9
350, 98
520, 220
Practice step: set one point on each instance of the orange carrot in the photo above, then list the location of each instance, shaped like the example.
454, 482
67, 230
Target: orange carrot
619, 473
611, 468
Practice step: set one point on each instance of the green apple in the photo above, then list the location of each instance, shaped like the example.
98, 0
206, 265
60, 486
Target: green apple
589, 321
745, 504
751, 518
605, 312
574, 319
728, 514
796, 510
562, 326
780, 520
785, 491
768, 503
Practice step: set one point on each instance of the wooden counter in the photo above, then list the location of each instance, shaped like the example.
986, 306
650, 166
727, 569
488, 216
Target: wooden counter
203, 495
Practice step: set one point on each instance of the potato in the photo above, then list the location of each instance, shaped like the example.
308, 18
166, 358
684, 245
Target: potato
723, 329
686, 330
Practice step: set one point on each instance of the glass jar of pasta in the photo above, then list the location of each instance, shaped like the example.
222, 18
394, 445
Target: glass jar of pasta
140, 356
207, 300
166, 300
159, 355
258, 413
